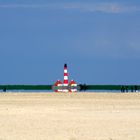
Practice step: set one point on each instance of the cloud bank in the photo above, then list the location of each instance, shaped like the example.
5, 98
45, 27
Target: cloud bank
103, 7
83, 7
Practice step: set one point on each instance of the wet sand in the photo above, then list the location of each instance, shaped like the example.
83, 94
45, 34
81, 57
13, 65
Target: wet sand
69, 116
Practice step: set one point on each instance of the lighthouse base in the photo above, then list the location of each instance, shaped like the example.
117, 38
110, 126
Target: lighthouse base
62, 88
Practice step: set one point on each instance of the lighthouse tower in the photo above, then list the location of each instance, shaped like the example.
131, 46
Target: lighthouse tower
65, 82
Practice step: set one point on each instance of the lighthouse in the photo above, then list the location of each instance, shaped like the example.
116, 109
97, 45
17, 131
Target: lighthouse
65, 86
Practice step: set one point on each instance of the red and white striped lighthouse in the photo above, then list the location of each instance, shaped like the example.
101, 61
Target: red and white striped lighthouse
65, 86
66, 82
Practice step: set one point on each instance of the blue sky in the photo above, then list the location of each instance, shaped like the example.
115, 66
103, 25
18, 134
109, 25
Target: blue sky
98, 39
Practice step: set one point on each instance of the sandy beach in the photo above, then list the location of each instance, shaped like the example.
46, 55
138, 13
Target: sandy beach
69, 116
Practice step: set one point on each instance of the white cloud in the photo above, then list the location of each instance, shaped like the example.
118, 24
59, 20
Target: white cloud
84, 7
108, 8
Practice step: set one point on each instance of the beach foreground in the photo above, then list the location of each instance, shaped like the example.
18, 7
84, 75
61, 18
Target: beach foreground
69, 116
